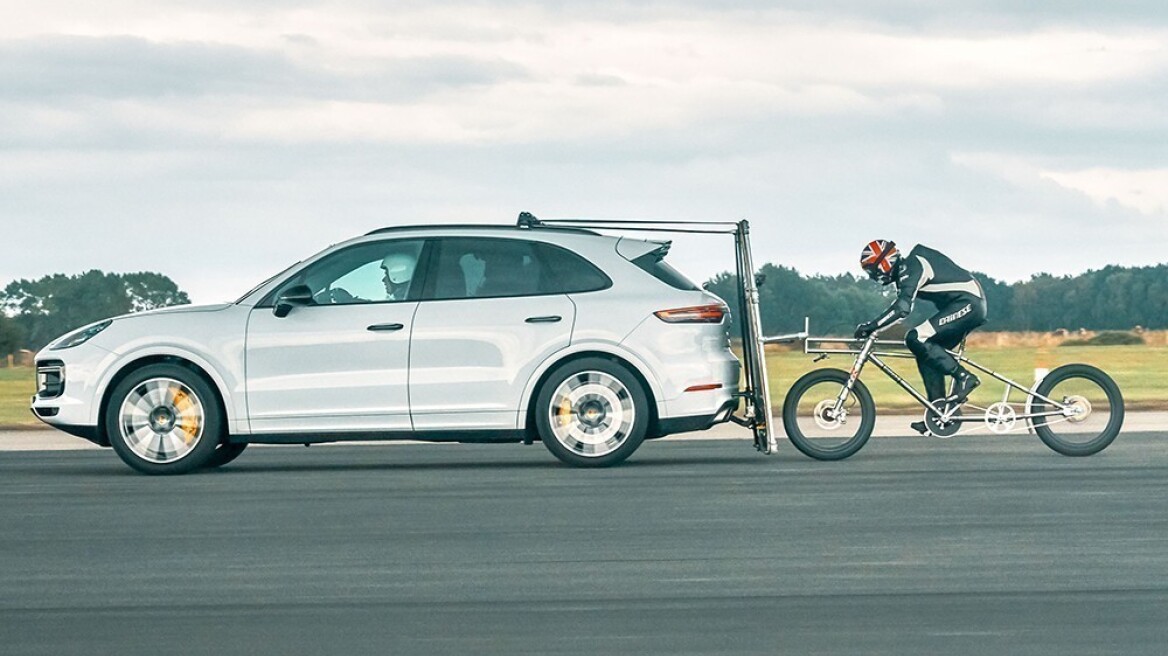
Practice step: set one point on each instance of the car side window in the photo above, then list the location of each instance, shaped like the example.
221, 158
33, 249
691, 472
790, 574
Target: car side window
486, 268
566, 272
376, 272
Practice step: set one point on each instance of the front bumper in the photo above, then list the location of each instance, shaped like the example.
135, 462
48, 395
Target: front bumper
73, 406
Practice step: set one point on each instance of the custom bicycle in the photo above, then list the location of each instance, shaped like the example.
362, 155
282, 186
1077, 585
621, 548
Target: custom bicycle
1076, 409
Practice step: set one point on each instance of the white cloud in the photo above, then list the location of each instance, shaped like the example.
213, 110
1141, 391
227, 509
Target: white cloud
996, 136
1145, 191
674, 72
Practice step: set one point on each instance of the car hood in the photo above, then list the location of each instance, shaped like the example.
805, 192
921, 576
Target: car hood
178, 309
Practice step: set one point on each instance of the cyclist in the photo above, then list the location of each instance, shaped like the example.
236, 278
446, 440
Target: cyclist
928, 275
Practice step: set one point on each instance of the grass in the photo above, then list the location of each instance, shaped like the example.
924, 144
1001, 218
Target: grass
17, 385
1140, 371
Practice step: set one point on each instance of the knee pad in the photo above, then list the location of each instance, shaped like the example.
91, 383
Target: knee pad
913, 341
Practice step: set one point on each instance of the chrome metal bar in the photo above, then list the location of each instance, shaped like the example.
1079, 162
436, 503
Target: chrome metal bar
1027, 390
904, 384
732, 226
725, 227
752, 338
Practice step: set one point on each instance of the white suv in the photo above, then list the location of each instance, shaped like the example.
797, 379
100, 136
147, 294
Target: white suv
590, 343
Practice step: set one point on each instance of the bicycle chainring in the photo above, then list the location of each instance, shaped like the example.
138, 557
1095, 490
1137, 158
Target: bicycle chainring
942, 429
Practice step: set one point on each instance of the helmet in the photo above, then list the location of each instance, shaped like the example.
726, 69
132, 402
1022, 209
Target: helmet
399, 267
879, 259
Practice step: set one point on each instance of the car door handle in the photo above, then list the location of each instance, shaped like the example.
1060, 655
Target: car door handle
548, 319
385, 327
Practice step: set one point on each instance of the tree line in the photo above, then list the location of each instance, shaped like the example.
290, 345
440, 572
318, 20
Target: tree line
33, 312
1112, 298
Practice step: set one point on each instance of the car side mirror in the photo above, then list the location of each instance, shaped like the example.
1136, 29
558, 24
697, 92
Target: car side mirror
290, 298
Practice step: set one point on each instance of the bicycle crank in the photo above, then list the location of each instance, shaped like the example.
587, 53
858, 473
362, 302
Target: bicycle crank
943, 428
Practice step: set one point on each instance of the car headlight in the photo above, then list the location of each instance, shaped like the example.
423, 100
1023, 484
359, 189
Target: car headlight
81, 336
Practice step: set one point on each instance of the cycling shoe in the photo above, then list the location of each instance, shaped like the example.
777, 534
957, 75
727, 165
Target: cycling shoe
964, 383
920, 427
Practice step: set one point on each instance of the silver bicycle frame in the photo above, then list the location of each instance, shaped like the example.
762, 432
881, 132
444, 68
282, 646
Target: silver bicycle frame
867, 353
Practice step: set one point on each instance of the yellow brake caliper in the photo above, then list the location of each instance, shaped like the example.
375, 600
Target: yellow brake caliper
564, 412
188, 423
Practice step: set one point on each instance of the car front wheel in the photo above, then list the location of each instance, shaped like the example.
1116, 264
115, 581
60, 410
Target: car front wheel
592, 412
163, 419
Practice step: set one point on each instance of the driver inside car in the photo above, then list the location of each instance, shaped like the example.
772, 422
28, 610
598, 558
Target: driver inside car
399, 271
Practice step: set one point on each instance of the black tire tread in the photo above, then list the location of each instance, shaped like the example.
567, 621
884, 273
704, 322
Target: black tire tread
640, 401
807, 446
212, 431
1114, 398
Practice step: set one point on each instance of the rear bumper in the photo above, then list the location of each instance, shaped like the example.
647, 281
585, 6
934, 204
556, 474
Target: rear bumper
672, 425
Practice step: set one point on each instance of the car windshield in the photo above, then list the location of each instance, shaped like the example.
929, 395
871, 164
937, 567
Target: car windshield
265, 282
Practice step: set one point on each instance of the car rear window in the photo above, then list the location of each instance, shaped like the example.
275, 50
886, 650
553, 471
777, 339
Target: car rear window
655, 265
568, 273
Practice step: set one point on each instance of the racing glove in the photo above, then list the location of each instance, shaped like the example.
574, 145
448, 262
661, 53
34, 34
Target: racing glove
865, 329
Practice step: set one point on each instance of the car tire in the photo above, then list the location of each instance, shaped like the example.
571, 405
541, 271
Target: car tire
164, 419
592, 412
225, 453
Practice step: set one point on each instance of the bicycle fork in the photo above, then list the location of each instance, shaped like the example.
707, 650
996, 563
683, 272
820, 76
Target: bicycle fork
837, 412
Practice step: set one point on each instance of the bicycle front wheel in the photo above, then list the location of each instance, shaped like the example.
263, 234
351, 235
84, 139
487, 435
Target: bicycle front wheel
810, 420
1092, 415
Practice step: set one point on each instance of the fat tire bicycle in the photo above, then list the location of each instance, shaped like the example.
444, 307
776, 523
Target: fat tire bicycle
829, 414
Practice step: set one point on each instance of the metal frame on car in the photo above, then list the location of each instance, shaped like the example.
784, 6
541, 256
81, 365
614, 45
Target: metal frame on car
757, 414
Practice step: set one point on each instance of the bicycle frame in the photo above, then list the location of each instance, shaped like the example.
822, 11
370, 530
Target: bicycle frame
868, 353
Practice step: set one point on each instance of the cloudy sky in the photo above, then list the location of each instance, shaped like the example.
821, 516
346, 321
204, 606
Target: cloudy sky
218, 141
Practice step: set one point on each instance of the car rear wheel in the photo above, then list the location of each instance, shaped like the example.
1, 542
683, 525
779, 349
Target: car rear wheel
164, 419
592, 412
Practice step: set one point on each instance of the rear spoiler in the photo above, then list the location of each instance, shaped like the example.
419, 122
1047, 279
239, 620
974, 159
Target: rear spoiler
631, 249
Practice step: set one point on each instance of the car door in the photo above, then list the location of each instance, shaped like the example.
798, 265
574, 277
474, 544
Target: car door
339, 360
486, 322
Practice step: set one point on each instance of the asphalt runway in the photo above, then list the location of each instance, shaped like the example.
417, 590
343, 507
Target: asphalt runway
988, 545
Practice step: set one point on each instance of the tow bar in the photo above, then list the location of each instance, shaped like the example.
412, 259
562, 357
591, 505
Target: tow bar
757, 413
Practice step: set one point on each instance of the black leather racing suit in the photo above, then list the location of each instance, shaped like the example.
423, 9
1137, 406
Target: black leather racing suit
929, 275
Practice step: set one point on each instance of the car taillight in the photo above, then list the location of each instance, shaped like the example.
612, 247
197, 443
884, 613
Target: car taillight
696, 314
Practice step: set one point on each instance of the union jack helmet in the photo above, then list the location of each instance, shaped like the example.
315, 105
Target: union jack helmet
878, 260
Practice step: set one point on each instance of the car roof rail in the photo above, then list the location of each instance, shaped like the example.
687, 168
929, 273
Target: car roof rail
431, 226
528, 221
533, 223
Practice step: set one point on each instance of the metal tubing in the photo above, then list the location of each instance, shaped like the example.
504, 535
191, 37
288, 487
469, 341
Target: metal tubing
764, 437
1027, 390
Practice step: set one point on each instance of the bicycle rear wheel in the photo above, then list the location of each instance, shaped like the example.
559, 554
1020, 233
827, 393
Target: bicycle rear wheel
1095, 410
808, 419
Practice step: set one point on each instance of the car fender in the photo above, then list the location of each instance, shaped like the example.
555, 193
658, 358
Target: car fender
606, 348
229, 385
